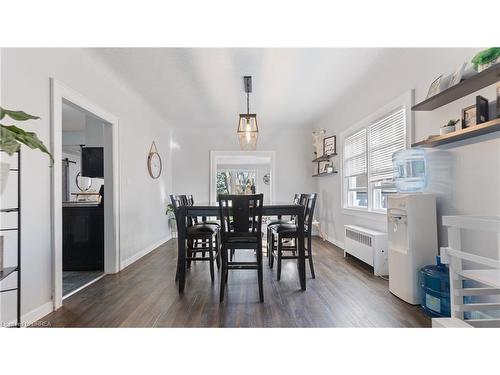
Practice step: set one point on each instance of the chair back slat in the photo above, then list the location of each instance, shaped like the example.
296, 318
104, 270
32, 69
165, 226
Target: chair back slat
241, 213
309, 203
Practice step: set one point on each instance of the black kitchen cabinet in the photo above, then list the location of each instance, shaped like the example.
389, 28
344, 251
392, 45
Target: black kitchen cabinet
83, 238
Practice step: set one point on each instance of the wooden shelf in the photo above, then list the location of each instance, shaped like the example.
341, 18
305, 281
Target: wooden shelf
468, 86
6, 272
323, 158
460, 135
324, 174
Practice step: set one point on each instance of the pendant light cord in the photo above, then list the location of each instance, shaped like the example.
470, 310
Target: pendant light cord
248, 103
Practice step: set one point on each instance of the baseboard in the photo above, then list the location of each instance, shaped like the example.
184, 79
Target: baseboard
35, 315
127, 262
335, 242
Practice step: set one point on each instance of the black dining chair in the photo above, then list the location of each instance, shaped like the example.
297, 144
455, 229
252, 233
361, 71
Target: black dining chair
288, 231
241, 224
201, 237
297, 199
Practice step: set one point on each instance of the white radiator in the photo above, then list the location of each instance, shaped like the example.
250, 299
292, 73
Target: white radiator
368, 245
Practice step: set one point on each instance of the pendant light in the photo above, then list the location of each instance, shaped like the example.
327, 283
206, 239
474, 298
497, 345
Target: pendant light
248, 130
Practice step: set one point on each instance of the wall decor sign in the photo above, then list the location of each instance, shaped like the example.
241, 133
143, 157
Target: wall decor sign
481, 109
330, 145
468, 116
457, 76
475, 114
434, 88
154, 162
322, 166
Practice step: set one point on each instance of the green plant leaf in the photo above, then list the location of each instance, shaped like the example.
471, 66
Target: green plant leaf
16, 115
12, 134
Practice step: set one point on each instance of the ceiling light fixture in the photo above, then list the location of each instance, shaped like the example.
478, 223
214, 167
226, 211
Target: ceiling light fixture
248, 130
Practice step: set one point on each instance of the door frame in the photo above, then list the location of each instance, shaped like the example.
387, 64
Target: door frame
60, 93
216, 155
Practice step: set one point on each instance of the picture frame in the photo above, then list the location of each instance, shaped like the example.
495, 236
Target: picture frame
330, 145
468, 116
322, 165
434, 87
456, 77
482, 105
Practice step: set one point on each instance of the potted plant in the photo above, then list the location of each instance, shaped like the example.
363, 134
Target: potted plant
486, 58
449, 127
12, 137
171, 219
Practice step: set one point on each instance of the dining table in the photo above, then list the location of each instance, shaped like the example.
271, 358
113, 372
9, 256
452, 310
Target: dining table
212, 210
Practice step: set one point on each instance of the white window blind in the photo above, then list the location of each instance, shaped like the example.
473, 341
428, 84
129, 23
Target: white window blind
355, 154
385, 137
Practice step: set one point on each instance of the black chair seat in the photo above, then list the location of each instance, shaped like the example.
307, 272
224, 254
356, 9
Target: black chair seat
278, 221
208, 223
286, 228
202, 229
240, 238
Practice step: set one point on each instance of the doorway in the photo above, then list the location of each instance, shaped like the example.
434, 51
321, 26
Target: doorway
242, 172
85, 194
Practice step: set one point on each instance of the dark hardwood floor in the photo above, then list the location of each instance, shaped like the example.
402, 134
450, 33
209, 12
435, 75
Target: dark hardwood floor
344, 294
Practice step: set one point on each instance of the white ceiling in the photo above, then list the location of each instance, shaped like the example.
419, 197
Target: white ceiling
203, 87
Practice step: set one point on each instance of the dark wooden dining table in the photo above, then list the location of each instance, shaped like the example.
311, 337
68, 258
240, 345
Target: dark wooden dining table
212, 210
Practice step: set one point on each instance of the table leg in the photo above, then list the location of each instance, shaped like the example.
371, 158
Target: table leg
181, 249
302, 257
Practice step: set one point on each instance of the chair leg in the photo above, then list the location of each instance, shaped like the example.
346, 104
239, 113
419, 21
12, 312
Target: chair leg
279, 257
223, 274
271, 259
269, 246
217, 250
309, 254
260, 274
211, 256
189, 252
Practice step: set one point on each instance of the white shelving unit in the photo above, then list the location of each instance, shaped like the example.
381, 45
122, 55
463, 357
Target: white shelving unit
487, 272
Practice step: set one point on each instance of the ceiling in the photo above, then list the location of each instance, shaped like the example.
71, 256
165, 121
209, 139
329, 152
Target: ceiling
203, 87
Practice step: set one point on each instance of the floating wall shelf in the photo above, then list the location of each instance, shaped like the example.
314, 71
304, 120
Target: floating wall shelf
459, 135
468, 86
324, 174
323, 158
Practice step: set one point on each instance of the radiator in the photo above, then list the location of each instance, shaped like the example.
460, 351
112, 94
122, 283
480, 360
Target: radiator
368, 245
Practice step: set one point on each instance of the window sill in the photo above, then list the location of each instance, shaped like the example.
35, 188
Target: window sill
372, 215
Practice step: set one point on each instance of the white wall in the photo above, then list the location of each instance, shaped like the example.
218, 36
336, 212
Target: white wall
25, 85
191, 152
465, 175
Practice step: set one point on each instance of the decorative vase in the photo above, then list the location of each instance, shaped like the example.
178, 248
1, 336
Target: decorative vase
4, 175
446, 130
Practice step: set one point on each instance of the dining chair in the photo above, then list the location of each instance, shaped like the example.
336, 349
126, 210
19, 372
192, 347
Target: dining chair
201, 237
288, 231
241, 224
297, 199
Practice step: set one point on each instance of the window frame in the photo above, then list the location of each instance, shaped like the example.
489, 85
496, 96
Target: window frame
404, 101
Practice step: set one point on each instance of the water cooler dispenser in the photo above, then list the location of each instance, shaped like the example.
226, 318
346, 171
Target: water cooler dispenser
412, 237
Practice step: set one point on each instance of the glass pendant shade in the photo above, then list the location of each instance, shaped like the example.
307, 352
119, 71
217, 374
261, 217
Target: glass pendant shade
248, 131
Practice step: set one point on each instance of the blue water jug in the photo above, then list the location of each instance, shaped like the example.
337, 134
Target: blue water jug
435, 284
409, 170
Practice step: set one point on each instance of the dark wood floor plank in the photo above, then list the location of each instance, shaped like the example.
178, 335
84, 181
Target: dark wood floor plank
345, 293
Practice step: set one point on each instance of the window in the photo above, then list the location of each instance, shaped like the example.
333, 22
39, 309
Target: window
355, 171
368, 161
236, 182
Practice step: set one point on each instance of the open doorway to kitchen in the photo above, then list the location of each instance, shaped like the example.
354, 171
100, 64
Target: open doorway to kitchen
82, 187
85, 200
